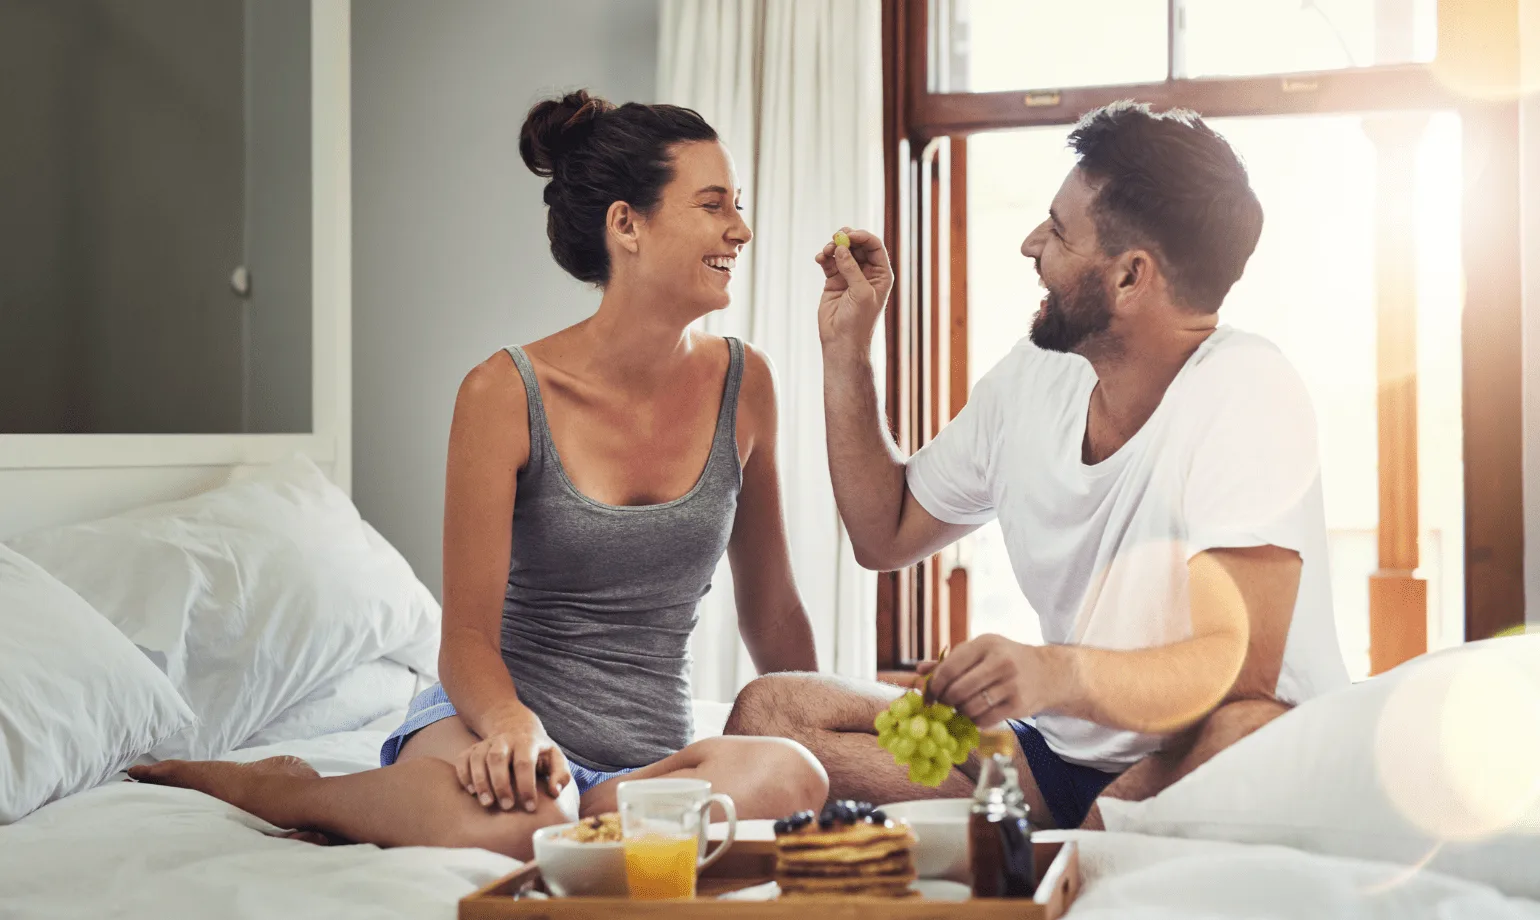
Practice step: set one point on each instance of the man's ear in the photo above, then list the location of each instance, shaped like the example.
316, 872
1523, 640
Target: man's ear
622, 222
1135, 276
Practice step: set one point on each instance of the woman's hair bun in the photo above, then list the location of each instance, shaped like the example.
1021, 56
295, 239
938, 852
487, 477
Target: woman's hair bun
555, 127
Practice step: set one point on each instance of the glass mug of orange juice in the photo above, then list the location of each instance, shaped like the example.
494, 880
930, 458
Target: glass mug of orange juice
663, 824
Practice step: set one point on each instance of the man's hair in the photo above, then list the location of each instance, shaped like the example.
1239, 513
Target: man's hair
1168, 183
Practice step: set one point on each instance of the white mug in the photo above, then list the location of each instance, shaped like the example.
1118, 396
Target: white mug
658, 818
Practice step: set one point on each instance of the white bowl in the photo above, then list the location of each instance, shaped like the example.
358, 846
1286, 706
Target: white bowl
941, 827
572, 869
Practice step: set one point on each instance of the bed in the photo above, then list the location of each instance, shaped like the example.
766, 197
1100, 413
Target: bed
1411, 795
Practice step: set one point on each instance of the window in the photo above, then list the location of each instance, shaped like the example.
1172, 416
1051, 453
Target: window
1387, 271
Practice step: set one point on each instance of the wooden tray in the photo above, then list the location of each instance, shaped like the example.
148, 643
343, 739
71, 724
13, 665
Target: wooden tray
752, 862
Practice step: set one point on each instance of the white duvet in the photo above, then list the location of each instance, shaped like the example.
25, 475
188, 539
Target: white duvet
128, 850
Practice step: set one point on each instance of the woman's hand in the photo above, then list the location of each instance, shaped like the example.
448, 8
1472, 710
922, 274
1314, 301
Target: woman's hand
511, 764
857, 280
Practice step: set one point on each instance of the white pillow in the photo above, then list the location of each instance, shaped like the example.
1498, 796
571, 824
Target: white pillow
347, 704
250, 597
1435, 763
78, 702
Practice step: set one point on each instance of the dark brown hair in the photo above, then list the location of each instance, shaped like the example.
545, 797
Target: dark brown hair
1168, 183
596, 154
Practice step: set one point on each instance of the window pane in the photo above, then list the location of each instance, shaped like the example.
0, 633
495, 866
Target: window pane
1310, 288
1248, 37
1045, 44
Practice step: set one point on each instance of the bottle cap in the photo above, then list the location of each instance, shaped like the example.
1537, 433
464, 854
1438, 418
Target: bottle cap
997, 740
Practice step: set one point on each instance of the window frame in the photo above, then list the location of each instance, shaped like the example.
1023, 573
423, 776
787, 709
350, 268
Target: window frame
924, 608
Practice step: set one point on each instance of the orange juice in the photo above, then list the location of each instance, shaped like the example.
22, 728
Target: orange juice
660, 866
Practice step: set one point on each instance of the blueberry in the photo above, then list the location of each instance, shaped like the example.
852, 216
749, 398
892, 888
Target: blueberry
878, 817
781, 827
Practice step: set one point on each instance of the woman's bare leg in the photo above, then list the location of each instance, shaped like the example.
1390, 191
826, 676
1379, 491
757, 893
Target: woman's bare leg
766, 777
418, 801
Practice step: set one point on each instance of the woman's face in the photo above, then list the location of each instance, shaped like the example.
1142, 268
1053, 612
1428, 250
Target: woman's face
687, 249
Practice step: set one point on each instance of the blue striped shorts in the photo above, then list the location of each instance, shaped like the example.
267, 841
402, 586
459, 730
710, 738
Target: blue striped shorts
432, 705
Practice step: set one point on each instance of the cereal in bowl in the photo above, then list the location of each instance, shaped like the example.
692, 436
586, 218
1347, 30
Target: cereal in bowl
603, 828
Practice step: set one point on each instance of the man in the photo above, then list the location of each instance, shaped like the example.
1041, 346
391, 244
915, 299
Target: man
1155, 475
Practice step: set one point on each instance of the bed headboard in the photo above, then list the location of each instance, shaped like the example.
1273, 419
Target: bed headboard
57, 479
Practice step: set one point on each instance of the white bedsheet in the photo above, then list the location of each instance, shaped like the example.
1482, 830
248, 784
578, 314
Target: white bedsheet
132, 850
129, 850
1142, 877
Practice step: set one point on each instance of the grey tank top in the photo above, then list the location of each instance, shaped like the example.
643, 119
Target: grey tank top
602, 598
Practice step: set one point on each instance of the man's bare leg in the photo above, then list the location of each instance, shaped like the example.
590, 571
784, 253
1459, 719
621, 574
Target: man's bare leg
832, 717
418, 801
1186, 752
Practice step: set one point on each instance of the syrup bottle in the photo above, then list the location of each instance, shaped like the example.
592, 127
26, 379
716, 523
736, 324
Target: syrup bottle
999, 837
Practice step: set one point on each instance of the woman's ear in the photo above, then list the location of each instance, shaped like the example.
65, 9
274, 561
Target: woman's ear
622, 223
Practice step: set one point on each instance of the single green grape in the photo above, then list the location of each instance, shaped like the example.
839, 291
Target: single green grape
927, 749
904, 706
903, 748
939, 712
841, 238
919, 771
918, 728
938, 732
885, 721
959, 755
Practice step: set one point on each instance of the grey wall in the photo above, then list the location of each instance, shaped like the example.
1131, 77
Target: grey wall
450, 259
124, 200
277, 328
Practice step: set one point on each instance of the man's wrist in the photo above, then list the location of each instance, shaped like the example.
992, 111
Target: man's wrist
848, 354
1062, 683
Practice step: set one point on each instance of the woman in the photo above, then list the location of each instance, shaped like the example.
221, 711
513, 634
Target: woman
629, 451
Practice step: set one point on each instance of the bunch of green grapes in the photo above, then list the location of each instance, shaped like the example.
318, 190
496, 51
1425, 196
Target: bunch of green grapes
930, 739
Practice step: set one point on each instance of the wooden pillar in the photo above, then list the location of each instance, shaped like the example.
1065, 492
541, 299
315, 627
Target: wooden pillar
1398, 599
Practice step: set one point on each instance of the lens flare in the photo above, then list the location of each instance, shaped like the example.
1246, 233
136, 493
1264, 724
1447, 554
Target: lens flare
1457, 748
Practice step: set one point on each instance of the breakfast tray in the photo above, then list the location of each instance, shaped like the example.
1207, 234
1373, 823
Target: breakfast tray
750, 863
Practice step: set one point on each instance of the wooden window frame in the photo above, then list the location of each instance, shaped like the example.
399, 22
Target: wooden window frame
923, 608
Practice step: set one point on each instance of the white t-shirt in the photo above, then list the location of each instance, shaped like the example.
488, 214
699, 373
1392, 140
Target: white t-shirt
1228, 459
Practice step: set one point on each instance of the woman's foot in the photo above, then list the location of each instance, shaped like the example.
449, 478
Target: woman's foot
265, 788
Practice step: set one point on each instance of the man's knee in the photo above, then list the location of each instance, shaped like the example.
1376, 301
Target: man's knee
1223, 727
1234, 721
762, 706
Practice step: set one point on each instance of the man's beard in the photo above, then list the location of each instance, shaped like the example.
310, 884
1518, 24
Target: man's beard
1063, 323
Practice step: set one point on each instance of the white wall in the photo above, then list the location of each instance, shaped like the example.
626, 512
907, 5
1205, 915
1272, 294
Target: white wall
1529, 26
450, 256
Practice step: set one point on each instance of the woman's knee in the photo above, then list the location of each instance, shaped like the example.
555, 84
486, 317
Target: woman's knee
777, 775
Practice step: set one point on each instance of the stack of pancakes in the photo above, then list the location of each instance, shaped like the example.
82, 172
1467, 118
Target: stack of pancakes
851, 849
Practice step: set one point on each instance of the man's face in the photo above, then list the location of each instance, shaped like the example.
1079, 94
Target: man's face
1070, 265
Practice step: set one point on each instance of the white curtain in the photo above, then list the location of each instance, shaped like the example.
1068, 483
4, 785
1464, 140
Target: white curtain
794, 88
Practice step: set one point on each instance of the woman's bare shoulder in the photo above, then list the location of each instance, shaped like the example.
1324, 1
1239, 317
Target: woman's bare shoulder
491, 411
